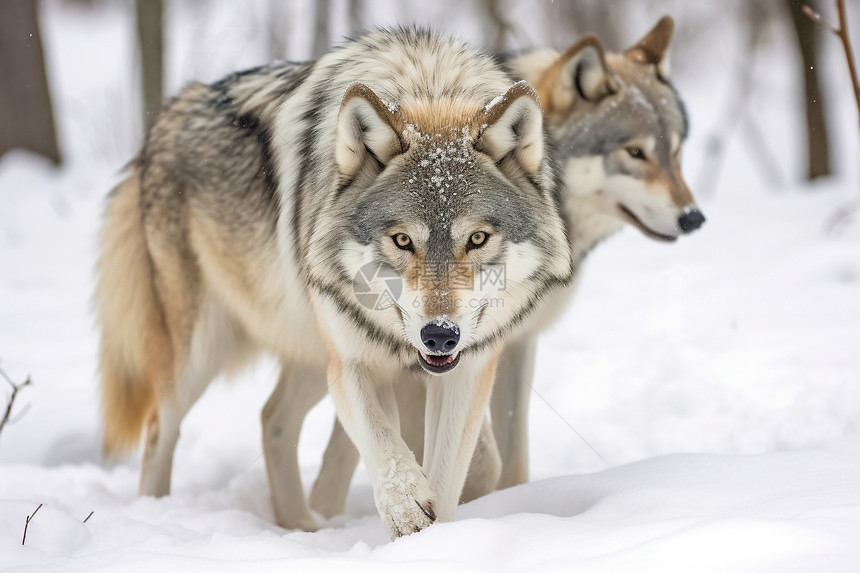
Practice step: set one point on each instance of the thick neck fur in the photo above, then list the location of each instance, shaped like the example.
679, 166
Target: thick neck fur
588, 224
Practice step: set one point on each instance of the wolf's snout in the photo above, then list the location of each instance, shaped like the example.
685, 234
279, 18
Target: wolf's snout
691, 220
440, 338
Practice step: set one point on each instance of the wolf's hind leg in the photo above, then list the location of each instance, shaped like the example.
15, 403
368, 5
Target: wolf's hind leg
298, 390
485, 467
216, 342
509, 407
162, 433
486, 464
411, 393
456, 408
328, 496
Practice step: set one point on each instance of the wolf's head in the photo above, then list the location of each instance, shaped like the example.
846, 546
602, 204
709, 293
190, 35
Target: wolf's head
619, 125
451, 225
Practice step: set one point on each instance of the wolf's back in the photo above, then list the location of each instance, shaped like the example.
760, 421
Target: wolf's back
135, 348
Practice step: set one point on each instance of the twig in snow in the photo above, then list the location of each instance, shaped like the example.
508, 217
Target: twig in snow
27, 523
15, 388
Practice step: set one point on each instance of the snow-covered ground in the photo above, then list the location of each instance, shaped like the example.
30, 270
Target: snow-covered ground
719, 379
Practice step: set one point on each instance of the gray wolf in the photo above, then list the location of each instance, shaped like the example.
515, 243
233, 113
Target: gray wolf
618, 125
253, 206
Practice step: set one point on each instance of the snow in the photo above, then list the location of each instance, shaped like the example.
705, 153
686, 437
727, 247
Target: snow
717, 377
494, 102
446, 322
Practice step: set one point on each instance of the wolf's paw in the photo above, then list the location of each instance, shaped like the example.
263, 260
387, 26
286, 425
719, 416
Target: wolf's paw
303, 523
403, 497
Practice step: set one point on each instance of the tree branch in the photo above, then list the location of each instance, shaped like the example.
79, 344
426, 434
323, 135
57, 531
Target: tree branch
15, 389
849, 55
842, 33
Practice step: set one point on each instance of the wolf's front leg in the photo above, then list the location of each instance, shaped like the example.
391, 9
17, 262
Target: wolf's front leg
368, 412
456, 405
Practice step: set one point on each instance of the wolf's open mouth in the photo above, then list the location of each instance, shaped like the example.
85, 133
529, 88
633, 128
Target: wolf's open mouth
635, 221
438, 363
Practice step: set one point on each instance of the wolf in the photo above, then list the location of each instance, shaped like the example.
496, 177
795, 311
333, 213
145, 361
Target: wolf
252, 218
618, 125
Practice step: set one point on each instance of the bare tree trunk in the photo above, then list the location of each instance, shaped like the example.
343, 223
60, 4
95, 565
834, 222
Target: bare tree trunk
498, 28
150, 38
321, 18
599, 17
734, 112
356, 16
26, 116
817, 141
276, 31
845, 213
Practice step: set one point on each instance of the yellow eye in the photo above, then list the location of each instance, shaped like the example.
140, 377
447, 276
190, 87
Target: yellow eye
402, 241
636, 153
477, 239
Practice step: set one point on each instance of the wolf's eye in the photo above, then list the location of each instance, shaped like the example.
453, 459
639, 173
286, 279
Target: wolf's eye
402, 241
636, 153
477, 239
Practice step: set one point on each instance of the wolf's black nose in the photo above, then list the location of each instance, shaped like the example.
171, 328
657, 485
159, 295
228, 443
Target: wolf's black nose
438, 338
691, 220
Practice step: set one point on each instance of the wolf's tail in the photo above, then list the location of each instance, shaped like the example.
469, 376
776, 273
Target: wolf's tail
135, 346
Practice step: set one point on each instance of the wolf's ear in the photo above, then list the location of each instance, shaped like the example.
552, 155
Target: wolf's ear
580, 72
514, 128
366, 131
653, 48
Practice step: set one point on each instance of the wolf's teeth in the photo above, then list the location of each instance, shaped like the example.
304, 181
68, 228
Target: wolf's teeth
439, 360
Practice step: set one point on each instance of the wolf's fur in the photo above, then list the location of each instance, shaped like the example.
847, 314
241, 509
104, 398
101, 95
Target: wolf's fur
596, 107
255, 202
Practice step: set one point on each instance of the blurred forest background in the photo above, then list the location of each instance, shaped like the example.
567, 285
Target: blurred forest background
171, 42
